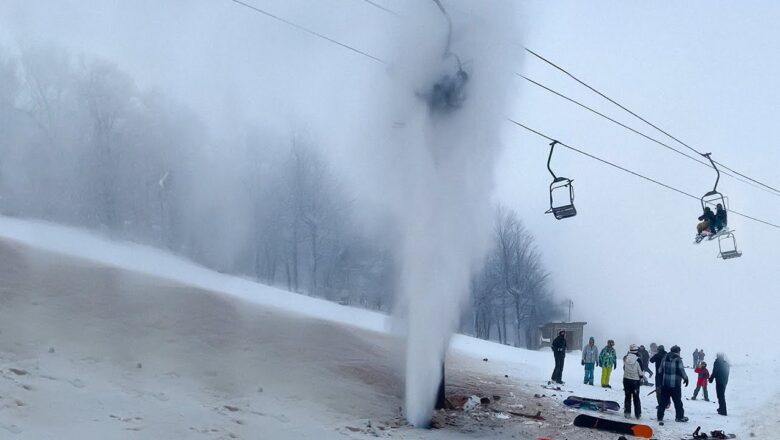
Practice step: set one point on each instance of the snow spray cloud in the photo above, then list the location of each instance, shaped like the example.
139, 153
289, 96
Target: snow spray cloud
436, 173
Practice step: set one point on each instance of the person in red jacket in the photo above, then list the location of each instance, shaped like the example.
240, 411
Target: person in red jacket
701, 382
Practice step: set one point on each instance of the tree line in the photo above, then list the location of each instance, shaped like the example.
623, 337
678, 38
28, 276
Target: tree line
83, 145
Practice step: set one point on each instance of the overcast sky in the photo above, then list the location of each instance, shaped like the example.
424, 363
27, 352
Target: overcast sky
705, 71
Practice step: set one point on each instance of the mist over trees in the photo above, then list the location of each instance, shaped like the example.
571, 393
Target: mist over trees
82, 144
511, 295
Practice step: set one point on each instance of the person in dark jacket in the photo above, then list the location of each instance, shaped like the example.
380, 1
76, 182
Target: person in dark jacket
695, 358
644, 362
707, 224
721, 218
658, 359
720, 374
673, 373
559, 351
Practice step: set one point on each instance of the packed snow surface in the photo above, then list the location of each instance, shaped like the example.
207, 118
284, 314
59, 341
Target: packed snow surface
107, 340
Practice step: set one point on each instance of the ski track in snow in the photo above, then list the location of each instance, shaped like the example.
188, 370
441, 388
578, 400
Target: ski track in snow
110, 340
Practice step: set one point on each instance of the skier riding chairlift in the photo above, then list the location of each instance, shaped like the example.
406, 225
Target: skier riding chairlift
712, 224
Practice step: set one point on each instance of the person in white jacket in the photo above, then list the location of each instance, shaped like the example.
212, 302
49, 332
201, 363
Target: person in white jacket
590, 355
632, 378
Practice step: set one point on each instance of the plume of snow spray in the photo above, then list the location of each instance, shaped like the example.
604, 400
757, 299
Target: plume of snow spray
436, 174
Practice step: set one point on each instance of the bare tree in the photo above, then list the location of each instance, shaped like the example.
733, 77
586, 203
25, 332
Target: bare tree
107, 93
511, 283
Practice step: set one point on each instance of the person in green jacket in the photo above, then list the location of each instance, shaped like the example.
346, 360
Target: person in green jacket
608, 362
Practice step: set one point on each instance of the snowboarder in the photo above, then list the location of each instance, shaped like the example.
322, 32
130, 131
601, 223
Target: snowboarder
720, 374
658, 359
707, 224
701, 382
608, 362
673, 374
632, 375
590, 355
559, 351
695, 358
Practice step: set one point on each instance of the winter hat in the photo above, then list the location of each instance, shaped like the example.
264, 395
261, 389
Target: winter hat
675, 349
592, 339
633, 347
661, 348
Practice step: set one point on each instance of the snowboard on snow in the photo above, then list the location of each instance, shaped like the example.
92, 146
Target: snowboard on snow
586, 421
593, 404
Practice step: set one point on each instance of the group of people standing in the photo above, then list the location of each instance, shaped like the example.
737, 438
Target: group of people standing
670, 374
606, 359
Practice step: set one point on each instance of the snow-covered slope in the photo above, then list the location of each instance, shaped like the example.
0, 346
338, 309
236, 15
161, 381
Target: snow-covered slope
102, 340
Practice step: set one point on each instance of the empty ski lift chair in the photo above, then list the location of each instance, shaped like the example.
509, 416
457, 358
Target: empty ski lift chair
730, 250
560, 184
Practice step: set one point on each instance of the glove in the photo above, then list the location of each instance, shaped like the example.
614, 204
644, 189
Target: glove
685, 381
710, 380
583, 362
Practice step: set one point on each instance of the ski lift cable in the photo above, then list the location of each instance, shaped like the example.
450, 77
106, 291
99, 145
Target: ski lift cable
447, 51
634, 173
302, 28
640, 117
309, 31
644, 135
761, 185
378, 6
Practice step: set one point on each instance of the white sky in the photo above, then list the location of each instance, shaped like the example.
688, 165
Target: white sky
706, 71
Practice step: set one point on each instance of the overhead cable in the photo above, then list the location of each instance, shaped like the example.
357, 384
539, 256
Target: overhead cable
510, 120
307, 30
644, 135
772, 190
641, 118
378, 6
634, 173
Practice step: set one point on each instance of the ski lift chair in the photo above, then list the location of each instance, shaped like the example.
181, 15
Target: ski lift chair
731, 250
712, 199
562, 211
558, 185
